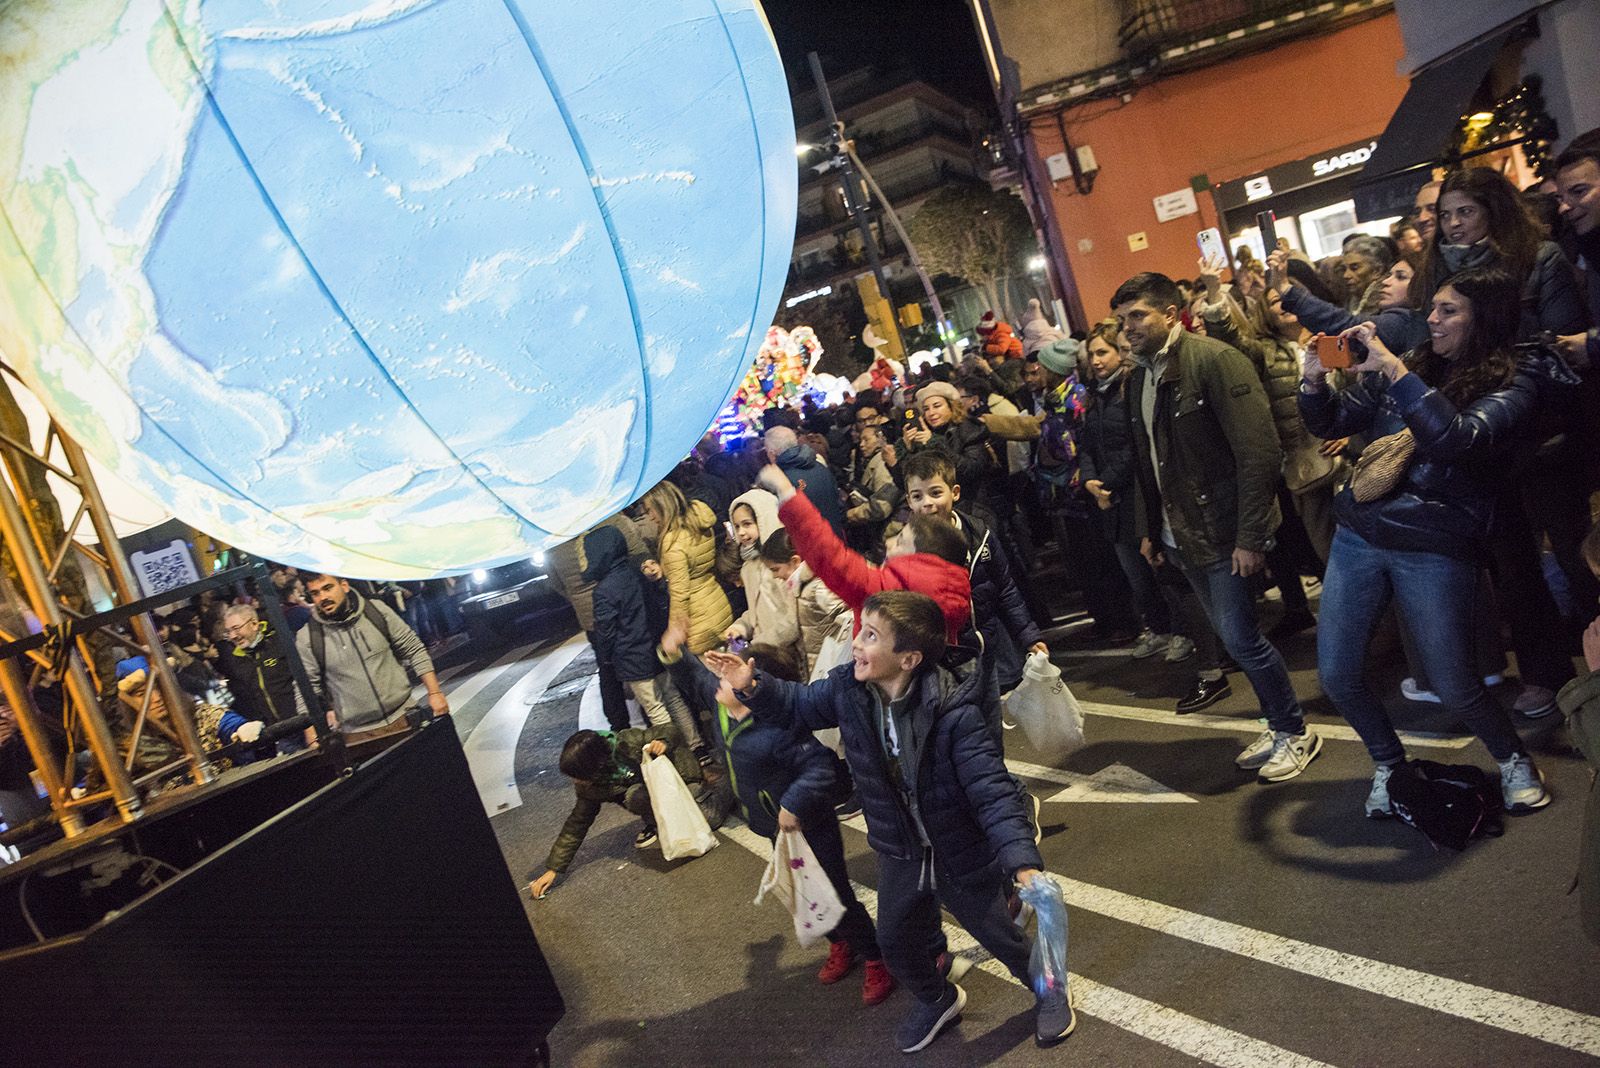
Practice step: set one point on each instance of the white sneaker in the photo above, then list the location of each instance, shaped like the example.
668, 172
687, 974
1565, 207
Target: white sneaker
1149, 644
1522, 785
1412, 692
1378, 806
1290, 755
1179, 649
1256, 753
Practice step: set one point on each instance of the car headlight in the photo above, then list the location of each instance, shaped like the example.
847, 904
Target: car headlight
480, 576
538, 558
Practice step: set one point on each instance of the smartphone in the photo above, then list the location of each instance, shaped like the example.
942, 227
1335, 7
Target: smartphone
1211, 246
1267, 223
1334, 353
738, 645
913, 418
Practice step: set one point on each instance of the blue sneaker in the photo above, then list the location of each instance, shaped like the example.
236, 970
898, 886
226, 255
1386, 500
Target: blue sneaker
927, 1019
1055, 1017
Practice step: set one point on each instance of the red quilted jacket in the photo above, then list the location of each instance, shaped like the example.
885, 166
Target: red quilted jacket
852, 579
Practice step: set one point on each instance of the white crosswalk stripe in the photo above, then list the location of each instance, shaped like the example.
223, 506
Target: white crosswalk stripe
1233, 724
1194, 1037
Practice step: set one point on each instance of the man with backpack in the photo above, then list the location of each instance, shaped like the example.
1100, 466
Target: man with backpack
357, 652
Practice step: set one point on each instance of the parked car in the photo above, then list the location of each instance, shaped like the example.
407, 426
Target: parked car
513, 601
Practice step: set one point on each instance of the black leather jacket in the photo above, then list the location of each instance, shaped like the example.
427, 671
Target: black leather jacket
1445, 501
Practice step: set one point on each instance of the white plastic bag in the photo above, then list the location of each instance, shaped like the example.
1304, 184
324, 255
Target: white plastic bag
835, 650
796, 879
1046, 710
680, 825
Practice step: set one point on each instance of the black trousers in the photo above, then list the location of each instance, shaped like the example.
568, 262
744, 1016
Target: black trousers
909, 924
855, 927
613, 701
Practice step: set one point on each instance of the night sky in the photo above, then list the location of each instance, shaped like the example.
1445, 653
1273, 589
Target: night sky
934, 38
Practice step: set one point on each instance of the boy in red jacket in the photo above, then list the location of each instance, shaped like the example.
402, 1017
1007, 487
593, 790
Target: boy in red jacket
927, 557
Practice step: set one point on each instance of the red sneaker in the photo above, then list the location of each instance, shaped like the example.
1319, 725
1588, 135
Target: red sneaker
841, 958
878, 984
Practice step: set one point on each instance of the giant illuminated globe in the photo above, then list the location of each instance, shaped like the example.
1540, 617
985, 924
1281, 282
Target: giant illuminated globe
390, 287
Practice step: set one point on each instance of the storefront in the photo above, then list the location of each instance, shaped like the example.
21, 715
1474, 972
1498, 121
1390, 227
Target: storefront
1313, 199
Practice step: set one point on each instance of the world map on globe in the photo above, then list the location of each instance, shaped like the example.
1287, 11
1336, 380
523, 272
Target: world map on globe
393, 288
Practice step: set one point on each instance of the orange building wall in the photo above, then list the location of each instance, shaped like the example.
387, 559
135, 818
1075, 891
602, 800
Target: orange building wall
1225, 121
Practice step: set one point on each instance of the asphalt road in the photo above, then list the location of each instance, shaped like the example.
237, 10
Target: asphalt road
1213, 919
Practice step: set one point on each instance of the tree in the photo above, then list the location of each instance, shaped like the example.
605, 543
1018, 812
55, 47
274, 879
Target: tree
837, 320
974, 233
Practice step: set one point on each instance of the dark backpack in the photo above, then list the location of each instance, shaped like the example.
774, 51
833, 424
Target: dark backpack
1450, 803
319, 641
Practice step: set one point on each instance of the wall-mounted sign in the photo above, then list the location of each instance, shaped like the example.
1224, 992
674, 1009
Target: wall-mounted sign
812, 294
1058, 166
1297, 174
1138, 242
1175, 205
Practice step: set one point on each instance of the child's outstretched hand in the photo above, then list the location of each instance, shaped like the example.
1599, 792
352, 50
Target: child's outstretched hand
731, 669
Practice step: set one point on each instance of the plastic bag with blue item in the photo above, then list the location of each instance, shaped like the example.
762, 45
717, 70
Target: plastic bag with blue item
1047, 965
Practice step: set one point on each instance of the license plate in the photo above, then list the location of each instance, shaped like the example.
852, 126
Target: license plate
496, 602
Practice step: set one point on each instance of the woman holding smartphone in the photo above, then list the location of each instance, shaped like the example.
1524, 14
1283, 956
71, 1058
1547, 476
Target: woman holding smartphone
1416, 514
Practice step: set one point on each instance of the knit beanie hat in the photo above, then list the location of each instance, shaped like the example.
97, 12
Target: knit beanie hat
951, 395
1061, 356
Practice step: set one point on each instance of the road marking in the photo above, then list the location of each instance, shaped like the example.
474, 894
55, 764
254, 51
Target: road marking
492, 745
592, 714
1113, 783
1338, 731
1492, 1008
460, 695
1190, 1035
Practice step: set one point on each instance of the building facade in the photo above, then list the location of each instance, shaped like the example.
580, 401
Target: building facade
1140, 123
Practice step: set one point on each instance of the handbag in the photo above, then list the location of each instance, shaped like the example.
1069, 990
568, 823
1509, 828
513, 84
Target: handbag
1382, 465
681, 827
795, 878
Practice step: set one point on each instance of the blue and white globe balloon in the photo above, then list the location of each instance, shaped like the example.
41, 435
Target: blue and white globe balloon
392, 288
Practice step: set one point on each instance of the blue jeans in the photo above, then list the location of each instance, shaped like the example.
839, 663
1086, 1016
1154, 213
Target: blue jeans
1434, 594
1231, 608
1148, 600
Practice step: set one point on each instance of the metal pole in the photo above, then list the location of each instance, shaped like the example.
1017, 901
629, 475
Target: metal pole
15, 688
911, 254
144, 627
285, 637
857, 211
76, 681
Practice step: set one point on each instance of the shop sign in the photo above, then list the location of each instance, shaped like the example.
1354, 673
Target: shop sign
1287, 177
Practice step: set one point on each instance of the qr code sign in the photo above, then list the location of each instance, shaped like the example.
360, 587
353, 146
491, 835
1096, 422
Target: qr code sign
165, 568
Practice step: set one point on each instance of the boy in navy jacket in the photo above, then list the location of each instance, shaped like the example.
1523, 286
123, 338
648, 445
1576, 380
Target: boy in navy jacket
785, 780
942, 812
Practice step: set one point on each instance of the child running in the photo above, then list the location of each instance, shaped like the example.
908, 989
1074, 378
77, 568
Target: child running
942, 813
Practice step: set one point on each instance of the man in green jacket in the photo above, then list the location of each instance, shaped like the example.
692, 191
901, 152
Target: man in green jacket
1208, 464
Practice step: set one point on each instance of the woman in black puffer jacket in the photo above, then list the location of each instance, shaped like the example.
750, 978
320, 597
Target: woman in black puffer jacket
1466, 401
1484, 222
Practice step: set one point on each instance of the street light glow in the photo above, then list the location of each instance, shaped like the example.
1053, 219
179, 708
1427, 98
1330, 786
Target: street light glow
1036, 263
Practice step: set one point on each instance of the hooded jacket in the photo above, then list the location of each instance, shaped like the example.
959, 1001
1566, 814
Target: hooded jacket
800, 463
770, 618
957, 789
770, 766
848, 574
1002, 342
567, 564
1444, 502
998, 611
688, 559
625, 627
363, 673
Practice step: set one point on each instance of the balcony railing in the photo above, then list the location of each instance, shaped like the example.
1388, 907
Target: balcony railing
1150, 25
